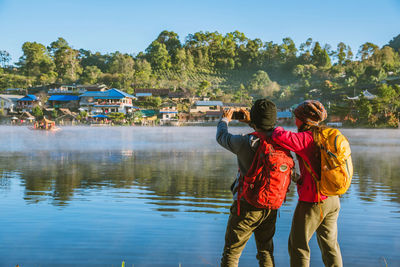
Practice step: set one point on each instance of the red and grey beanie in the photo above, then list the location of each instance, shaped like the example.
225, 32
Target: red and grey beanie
311, 112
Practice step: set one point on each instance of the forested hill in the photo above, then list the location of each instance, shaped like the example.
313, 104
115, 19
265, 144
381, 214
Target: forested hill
228, 67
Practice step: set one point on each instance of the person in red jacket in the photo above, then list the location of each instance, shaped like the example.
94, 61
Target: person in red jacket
314, 212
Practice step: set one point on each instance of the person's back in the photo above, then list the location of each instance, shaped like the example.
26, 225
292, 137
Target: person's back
314, 212
246, 219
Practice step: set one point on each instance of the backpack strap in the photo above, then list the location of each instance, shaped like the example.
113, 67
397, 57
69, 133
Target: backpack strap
241, 190
317, 181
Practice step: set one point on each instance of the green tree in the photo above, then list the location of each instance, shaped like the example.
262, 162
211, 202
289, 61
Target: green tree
15, 81
320, 57
36, 62
305, 51
386, 58
157, 55
180, 60
366, 50
54, 114
90, 75
4, 58
204, 88
87, 58
37, 112
117, 117
261, 84
172, 44
123, 66
249, 54
288, 50
66, 61
343, 53
142, 73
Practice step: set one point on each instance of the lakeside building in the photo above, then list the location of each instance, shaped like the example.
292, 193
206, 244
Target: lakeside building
154, 92
179, 96
93, 87
9, 102
26, 117
64, 101
285, 117
143, 96
213, 115
236, 105
28, 102
112, 100
149, 117
66, 117
204, 106
15, 91
65, 89
168, 113
365, 94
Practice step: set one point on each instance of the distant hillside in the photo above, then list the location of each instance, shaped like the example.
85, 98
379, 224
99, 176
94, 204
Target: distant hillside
395, 43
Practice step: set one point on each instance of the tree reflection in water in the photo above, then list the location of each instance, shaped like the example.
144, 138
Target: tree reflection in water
178, 179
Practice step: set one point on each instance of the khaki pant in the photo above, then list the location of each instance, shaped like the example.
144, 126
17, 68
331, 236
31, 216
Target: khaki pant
240, 228
306, 221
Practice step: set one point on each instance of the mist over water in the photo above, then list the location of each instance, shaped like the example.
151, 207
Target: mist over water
160, 196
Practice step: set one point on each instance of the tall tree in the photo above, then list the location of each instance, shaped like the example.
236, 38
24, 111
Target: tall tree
87, 58
157, 55
90, 75
320, 57
249, 55
343, 53
288, 50
37, 62
305, 51
387, 58
66, 60
142, 73
366, 50
171, 41
4, 58
123, 66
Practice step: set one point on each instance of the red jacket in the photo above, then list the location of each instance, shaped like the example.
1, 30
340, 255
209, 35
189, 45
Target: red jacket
303, 145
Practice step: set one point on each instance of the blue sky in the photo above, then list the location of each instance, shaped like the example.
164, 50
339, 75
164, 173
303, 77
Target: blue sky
130, 26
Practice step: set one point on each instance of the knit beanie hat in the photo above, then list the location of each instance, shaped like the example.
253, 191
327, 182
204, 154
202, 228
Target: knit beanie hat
263, 114
311, 112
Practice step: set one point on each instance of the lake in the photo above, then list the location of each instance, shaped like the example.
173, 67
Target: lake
159, 196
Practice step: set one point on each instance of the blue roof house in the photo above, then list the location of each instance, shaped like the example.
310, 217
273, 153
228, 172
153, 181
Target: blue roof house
64, 101
27, 102
103, 102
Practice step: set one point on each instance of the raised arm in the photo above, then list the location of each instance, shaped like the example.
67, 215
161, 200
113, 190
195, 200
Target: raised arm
229, 141
295, 142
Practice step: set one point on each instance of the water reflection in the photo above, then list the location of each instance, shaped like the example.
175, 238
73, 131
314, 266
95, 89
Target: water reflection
377, 174
103, 195
175, 179
186, 181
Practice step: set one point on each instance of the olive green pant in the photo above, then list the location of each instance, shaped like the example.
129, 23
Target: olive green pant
307, 221
251, 220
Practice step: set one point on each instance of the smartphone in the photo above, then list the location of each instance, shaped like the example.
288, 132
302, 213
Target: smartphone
238, 115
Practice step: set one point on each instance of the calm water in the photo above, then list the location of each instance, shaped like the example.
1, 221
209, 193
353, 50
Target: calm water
160, 196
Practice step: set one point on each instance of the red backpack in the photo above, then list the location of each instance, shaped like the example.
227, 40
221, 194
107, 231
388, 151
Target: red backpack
267, 181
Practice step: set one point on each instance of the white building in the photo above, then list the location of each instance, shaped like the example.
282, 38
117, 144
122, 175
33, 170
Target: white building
9, 102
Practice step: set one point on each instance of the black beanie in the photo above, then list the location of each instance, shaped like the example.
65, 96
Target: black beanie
263, 114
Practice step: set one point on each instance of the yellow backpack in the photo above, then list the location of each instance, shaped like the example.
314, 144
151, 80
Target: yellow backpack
336, 164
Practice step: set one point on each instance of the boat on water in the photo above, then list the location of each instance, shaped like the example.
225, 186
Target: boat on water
45, 125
